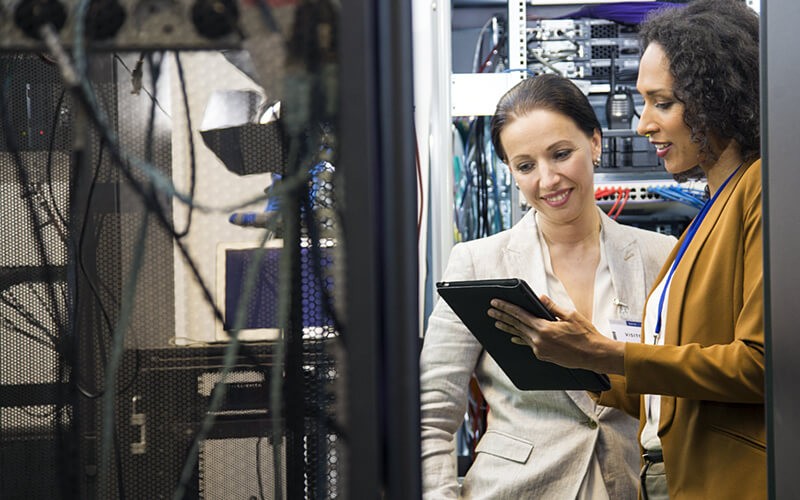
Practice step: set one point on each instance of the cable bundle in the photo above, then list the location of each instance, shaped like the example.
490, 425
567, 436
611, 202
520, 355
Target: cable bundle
688, 196
482, 186
622, 195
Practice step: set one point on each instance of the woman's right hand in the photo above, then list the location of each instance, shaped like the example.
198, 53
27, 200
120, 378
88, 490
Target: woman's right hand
572, 341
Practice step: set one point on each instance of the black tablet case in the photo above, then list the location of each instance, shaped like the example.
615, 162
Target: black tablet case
470, 301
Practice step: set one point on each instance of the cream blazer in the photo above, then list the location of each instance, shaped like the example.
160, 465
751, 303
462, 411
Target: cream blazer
538, 444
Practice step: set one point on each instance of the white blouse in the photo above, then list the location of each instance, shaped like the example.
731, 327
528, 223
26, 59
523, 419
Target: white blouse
652, 402
592, 487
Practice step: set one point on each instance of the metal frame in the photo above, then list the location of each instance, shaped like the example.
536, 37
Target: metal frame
779, 69
379, 221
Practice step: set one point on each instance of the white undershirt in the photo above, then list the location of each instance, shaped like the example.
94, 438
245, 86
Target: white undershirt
652, 402
592, 486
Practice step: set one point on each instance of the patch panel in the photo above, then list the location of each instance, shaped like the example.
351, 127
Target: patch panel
557, 29
596, 70
578, 29
595, 49
639, 194
583, 49
640, 191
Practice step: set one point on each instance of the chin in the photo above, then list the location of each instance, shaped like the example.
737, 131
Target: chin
688, 174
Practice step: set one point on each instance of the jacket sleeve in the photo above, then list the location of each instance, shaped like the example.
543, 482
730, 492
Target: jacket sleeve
448, 359
619, 397
723, 370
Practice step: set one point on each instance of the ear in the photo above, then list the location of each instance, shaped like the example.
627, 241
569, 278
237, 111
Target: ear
513, 175
597, 144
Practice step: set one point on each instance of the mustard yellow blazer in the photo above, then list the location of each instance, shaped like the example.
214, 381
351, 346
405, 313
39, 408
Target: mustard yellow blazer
711, 370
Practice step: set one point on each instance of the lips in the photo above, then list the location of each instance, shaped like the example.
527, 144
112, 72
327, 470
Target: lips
662, 148
558, 198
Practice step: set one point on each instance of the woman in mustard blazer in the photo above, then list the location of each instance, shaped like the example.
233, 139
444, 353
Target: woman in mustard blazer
696, 380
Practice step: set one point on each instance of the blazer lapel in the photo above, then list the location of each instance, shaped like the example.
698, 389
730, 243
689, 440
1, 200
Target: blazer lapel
624, 257
626, 267
677, 290
522, 257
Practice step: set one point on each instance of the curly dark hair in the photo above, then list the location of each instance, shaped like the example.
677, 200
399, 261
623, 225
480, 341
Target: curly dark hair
712, 47
551, 92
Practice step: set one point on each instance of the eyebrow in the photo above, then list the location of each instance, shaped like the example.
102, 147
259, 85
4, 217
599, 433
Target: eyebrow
560, 144
518, 158
556, 145
657, 92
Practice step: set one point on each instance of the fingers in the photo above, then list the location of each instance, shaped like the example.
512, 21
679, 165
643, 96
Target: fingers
558, 311
521, 333
506, 311
507, 327
509, 324
506, 316
565, 314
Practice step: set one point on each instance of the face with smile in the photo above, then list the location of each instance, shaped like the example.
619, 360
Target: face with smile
662, 117
551, 161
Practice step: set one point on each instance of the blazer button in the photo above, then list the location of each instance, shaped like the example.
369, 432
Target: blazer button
592, 423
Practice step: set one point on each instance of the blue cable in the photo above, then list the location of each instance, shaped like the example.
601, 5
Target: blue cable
672, 195
662, 193
498, 218
690, 199
698, 194
681, 196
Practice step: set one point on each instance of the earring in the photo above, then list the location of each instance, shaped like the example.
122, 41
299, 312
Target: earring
596, 162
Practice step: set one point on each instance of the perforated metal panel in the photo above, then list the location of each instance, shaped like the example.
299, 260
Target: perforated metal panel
92, 249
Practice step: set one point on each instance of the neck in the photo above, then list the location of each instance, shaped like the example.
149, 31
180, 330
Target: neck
584, 229
728, 161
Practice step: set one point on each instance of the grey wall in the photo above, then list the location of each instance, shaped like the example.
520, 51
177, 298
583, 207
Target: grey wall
781, 109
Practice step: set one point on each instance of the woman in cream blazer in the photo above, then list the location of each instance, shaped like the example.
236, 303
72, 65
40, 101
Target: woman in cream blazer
537, 444
540, 444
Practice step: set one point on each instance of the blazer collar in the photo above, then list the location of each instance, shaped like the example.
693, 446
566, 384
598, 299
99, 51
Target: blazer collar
523, 255
523, 258
523, 252
677, 290
625, 263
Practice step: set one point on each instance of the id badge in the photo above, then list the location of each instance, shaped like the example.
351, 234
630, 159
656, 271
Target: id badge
625, 330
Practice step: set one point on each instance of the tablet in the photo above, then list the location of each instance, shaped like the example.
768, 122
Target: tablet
470, 301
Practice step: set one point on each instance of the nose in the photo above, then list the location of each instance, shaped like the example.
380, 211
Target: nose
646, 126
548, 175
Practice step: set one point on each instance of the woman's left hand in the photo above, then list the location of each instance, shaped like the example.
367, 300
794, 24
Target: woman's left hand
572, 341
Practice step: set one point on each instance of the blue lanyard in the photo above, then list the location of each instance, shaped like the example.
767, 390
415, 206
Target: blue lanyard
689, 236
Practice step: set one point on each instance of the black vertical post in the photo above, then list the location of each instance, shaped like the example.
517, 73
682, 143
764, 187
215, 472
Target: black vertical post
294, 389
779, 111
377, 163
